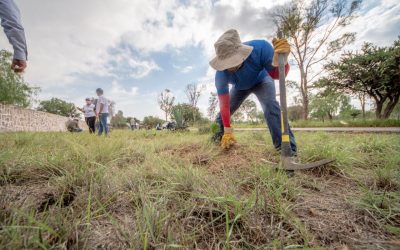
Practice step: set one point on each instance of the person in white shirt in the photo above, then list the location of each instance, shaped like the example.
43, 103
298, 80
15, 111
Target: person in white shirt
102, 111
90, 114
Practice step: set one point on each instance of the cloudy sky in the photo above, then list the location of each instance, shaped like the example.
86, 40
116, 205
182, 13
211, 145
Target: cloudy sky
134, 49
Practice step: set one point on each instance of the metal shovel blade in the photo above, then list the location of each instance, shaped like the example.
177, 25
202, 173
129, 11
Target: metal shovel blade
289, 164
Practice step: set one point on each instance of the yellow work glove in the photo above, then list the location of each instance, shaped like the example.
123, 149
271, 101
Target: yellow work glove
281, 46
228, 140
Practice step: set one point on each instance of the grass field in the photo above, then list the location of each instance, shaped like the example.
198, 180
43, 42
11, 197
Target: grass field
165, 190
333, 123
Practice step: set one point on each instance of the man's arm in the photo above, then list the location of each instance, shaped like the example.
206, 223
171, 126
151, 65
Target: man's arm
274, 73
267, 59
223, 96
11, 23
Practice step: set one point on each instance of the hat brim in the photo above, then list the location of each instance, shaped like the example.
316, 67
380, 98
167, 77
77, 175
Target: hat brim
243, 52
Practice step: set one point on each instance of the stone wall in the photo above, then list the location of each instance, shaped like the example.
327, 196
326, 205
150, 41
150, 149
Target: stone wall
20, 119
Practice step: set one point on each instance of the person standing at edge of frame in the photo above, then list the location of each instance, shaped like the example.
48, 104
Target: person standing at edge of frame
11, 22
102, 112
249, 67
90, 114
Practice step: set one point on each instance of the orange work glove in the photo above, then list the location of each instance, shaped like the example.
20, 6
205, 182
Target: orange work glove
281, 46
228, 140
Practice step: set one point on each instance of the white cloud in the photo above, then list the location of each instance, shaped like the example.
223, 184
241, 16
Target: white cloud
67, 39
122, 64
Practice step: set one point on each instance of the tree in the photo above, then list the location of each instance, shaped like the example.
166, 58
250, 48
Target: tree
58, 107
13, 89
373, 71
189, 113
237, 116
312, 28
166, 101
260, 116
212, 106
354, 113
151, 121
396, 112
118, 120
362, 98
193, 92
328, 102
249, 108
295, 112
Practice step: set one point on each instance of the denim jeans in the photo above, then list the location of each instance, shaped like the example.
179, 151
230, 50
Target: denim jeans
266, 95
103, 123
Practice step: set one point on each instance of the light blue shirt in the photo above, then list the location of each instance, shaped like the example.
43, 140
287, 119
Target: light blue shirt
11, 23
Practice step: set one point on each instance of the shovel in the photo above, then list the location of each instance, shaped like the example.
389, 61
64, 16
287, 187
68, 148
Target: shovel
287, 161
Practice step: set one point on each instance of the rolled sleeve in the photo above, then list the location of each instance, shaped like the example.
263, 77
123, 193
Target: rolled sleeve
11, 23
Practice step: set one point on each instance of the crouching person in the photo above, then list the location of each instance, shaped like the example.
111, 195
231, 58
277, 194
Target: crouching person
73, 125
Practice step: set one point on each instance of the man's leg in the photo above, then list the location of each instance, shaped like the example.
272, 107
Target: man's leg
87, 120
104, 117
266, 95
100, 124
92, 122
236, 98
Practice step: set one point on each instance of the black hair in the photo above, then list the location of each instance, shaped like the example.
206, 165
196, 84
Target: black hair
99, 90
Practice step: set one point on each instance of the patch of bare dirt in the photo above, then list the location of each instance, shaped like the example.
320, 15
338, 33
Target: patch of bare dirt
38, 196
327, 211
216, 160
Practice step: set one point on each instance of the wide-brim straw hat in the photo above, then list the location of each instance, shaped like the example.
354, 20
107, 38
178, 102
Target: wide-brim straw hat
230, 51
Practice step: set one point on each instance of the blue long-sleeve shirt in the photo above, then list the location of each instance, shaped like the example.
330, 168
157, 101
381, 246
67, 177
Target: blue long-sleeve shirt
253, 70
11, 23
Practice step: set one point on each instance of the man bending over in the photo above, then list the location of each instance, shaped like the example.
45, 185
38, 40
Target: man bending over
249, 67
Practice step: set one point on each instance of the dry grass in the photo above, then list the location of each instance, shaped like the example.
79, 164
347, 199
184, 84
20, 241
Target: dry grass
161, 190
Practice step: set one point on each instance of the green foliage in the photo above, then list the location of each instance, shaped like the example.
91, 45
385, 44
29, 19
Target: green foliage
119, 121
328, 102
374, 71
178, 113
295, 112
58, 107
13, 89
214, 128
152, 121
238, 116
187, 113
249, 108
312, 123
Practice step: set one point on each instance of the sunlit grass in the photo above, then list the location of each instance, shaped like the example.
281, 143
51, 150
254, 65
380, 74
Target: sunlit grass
157, 190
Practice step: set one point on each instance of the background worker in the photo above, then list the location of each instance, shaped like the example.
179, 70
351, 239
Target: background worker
73, 125
11, 23
90, 114
250, 68
102, 111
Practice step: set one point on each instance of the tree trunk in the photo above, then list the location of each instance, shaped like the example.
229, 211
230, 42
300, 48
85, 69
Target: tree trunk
361, 97
389, 107
303, 91
330, 116
378, 111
